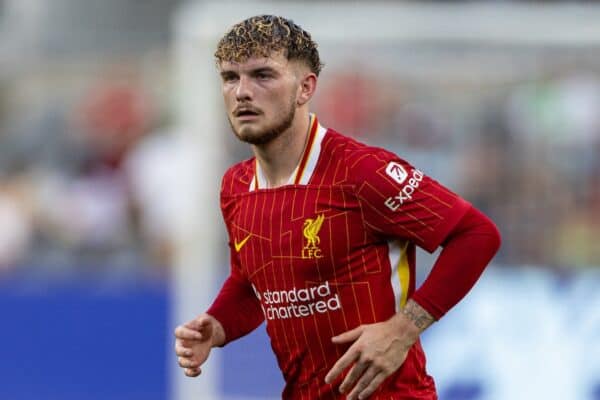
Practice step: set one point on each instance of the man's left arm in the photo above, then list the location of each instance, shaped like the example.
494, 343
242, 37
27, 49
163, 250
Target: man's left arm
378, 350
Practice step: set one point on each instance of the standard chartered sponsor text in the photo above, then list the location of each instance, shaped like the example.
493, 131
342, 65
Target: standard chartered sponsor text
298, 303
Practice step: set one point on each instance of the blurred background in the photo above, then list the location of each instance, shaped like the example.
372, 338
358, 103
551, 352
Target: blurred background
113, 141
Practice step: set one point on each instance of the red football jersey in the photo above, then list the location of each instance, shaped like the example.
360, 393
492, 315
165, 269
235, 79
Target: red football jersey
331, 250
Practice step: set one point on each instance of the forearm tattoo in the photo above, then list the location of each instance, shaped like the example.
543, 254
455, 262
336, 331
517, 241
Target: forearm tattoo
417, 314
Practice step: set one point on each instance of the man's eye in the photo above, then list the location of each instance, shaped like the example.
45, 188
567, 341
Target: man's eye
263, 76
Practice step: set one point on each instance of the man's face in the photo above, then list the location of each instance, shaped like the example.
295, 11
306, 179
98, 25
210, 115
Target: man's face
260, 96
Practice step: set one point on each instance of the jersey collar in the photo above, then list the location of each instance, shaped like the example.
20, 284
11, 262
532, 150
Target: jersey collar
307, 164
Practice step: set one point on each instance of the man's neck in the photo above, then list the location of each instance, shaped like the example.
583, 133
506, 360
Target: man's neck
279, 158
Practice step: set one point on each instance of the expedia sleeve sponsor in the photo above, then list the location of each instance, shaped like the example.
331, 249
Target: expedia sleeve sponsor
396, 171
406, 192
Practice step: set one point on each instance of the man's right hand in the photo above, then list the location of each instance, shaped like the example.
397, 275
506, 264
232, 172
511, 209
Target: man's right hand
194, 340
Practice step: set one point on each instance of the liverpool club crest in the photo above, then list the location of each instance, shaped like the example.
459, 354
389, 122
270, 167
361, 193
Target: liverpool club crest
310, 230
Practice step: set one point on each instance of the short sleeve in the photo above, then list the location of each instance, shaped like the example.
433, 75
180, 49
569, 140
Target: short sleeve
399, 200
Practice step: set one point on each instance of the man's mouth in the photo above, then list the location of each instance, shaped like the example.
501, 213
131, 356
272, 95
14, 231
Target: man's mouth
245, 112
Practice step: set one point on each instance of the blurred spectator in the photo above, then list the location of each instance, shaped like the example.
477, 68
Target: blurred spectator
156, 171
15, 214
113, 116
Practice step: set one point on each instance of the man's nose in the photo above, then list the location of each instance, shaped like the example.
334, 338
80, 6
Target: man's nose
243, 90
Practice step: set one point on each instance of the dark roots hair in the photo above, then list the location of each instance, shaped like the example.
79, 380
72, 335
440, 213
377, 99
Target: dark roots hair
263, 34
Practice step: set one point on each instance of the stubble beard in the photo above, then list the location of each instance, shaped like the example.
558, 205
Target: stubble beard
271, 133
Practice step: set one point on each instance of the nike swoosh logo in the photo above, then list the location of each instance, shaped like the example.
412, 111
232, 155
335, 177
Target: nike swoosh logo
238, 246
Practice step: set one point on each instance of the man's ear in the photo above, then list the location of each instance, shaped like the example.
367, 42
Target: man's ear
308, 85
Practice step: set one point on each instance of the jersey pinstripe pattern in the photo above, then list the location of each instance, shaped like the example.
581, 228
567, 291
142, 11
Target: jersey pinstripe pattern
333, 249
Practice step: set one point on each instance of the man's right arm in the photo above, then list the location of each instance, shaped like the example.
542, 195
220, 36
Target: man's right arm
236, 307
235, 312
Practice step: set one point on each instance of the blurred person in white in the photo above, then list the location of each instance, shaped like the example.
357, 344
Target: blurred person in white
156, 171
16, 221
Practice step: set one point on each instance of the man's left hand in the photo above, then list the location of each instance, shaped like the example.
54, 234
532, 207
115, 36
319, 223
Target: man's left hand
377, 352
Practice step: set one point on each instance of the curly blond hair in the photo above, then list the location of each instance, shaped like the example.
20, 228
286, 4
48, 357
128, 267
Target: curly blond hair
261, 35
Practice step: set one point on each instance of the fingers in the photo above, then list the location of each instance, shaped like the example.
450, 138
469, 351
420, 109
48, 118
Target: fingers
367, 382
185, 358
349, 357
346, 360
348, 336
363, 382
182, 351
192, 372
184, 333
198, 324
355, 373
185, 362
187, 337
367, 385
188, 344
